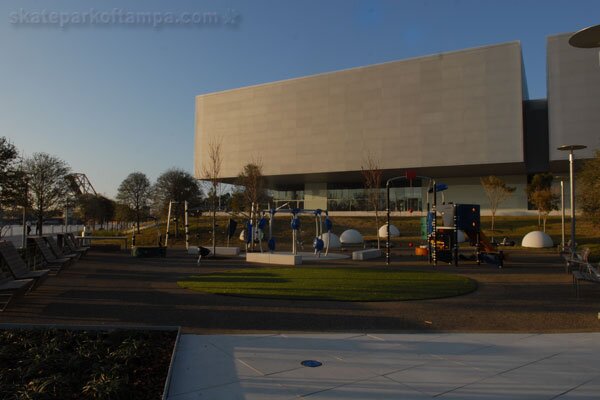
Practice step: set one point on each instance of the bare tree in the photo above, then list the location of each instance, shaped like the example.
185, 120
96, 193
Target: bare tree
211, 172
46, 182
251, 178
496, 192
540, 195
372, 174
134, 192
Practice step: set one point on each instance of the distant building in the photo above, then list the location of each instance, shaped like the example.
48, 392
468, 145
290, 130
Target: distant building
454, 116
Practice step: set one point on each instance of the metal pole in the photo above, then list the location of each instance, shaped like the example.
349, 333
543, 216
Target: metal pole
24, 243
572, 194
562, 207
387, 204
187, 238
168, 222
434, 224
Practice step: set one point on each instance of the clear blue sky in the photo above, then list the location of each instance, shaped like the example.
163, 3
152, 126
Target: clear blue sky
115, 98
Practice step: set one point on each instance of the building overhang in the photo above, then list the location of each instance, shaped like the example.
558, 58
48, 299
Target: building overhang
355, 177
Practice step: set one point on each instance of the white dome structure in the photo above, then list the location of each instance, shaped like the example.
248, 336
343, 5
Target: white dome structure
258, 235
351, 236
394, 232
332, 239
537, 239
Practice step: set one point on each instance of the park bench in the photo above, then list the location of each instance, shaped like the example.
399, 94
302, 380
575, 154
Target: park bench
579, 260
587, 273
17, 266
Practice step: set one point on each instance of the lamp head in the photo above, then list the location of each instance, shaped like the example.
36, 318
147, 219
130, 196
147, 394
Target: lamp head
587, 38
571, 147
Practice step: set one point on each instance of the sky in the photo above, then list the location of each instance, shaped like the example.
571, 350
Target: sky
90, 83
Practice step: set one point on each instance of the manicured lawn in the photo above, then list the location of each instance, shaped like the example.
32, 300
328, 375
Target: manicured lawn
70, 364
339, 284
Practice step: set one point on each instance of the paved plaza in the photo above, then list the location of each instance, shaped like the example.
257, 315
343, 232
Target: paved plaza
388, 366
521, 335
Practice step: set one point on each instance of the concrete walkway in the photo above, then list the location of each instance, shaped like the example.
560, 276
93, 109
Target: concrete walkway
388, 366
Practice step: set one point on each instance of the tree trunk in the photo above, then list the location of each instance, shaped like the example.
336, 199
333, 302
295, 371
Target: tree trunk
377, 224
40, 223
137, 217
493, 218
544, 219
214, 221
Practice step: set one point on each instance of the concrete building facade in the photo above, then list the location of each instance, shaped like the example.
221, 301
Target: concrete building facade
454, 116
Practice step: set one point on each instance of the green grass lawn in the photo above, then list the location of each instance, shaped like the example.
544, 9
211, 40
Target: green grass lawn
337, 284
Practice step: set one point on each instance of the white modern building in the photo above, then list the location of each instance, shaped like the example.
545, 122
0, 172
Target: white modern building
453, 116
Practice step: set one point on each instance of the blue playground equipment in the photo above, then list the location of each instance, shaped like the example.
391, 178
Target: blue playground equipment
295, 224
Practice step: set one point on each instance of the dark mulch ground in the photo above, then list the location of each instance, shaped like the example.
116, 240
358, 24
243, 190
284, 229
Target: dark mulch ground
531, 293
84, 364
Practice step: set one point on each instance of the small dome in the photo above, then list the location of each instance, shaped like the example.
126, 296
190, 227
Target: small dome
332, 239
351, 236
537, 239
394, 232
258, 235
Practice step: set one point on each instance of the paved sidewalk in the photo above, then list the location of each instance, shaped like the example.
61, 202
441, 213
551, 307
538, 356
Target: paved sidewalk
388, 366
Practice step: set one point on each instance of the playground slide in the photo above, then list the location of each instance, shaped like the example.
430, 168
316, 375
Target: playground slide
483, 240
487, 245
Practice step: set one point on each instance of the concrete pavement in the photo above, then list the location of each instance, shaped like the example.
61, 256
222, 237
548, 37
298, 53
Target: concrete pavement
388, 366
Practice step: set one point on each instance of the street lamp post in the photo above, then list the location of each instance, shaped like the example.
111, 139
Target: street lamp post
562, 214
570, 148
562, 211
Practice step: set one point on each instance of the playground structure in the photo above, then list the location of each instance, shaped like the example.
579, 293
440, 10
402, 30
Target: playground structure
255, 227
200, 251
443, 241
254, 235
456, 218
410, 176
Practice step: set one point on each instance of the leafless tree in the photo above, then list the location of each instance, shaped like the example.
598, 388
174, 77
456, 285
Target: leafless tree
496, 191
211, 172
372, 174
251, 178
541, 196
